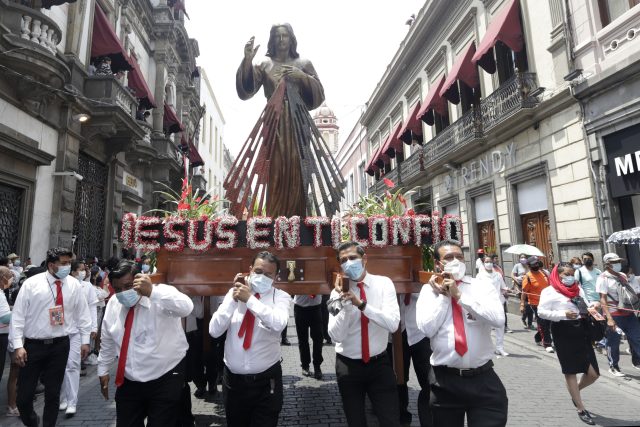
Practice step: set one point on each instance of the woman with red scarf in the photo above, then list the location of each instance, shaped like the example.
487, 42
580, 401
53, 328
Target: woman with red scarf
563, 303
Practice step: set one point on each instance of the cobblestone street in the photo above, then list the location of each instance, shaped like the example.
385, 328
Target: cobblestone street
535, 386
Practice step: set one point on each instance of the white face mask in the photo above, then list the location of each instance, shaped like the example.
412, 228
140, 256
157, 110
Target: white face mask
488, 266
456, 268
82, 275
568, 280
617, 267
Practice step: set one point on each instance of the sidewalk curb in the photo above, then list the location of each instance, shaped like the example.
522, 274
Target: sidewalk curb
632, 385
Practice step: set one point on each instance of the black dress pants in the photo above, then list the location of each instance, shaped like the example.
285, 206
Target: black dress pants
403, 389
4, 343
160, 401
375, 379
309, 320
420, 355
214, 361
482, 398
325, 317
46, 360
195, 358
253, 400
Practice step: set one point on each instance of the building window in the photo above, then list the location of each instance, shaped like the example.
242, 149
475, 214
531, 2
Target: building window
485, 222
363, 179
215, 141
507, 61
440, 122
210, 136
534, 215
610, 10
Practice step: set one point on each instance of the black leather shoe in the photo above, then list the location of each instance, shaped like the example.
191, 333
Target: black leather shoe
317, 373
585, 417
306, 372
200, 392
285, 342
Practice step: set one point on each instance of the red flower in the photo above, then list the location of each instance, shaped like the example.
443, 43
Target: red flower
198, 199
388, 183
402, 200
411, 212
183, 206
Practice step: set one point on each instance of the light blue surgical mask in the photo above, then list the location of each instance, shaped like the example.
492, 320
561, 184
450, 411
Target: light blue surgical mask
353, 268
17, 263
63, 271
568, 280
145, 268
260, 283
128, 298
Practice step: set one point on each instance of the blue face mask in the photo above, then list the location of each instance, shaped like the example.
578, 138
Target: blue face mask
260, 283
145, 268
128, 298
16, 263
63, 271
353, 268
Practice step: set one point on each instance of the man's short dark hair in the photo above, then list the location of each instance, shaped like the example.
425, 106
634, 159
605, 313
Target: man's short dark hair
75, 264
4, 261
350, 244
123, 268
111, 263
589, 254
54, 254
441, 243
269, 257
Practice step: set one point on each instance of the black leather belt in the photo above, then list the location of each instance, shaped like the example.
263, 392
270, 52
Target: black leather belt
260, 377
371, 359
468, 372
46, 341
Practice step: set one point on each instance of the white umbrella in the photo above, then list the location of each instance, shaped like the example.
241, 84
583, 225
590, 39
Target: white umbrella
625, 237
523, 249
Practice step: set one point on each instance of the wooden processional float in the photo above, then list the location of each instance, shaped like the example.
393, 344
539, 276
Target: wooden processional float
201, 257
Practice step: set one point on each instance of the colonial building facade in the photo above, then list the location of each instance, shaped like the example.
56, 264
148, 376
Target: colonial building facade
475, 117
99, 102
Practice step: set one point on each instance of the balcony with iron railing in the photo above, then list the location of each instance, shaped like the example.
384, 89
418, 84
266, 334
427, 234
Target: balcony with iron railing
459, 141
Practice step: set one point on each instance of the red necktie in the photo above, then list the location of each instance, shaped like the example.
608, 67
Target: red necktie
458, 328
122, 361
59, 293
312, 296
407, 299
246, 328
364, 327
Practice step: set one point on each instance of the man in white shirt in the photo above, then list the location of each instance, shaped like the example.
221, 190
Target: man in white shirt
253, 314
306, 311
142, 327
361, 330
457, 313
49, 308
479, 260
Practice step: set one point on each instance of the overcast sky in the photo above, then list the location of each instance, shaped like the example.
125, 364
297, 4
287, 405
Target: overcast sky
349, 42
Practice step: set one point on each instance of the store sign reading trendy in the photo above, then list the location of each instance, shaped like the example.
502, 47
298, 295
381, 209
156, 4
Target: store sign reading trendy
484, 167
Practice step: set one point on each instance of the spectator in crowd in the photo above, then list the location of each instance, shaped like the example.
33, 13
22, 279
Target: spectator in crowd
104, 67
517, 275
308, 317
487, 273
367, 314
6, 279
618, 300
498, 268
587, 276
479, 260
533, 284
496, 265
575, 262
71, 383
457, 313
49, 308
253, 314
564, 304
142, 326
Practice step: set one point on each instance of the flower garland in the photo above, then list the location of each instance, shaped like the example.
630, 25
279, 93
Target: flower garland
336, 231
227, 236
144, 239
128, 229
446, 230
379, 222
353, 223
421, 227
435, 229
192, 237
287, 230
317, 222
257, 230
401, 228
173, 238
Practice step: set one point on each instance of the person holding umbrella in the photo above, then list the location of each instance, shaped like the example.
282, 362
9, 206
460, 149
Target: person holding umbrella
533, 284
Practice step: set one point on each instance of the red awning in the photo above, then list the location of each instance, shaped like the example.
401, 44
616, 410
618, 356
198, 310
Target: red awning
371, 167
392, 144
48, 3
139, 85
104, 42
195, 159
505, 27
412, 128
433, 102
465, 71
171, 123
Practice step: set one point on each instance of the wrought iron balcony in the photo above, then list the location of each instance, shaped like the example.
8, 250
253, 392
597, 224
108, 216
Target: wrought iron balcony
512, 96
28, 28
380, 187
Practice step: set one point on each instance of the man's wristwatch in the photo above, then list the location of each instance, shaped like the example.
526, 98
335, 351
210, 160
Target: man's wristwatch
362, 305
